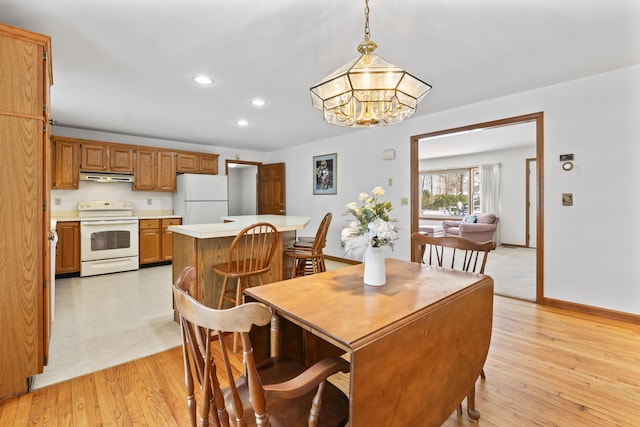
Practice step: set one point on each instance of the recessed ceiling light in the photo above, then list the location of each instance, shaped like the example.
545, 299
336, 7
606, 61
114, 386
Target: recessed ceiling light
258, 102
203, 80
242, 122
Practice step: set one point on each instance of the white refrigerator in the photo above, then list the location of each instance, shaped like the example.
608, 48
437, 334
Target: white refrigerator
201, 199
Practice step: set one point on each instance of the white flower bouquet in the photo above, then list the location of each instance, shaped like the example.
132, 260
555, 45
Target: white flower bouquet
372, 225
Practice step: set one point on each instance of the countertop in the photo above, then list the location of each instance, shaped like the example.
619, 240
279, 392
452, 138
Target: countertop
229, 229
60, 216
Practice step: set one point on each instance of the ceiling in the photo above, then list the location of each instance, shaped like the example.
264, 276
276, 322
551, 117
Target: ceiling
125, 66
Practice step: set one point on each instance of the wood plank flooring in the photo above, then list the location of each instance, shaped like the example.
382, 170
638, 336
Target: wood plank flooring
546, 367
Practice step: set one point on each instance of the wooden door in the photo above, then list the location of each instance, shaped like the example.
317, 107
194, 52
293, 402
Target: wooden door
167, 237
65, 165
149, 241
94, 157
208, 164
187, 163
145, 178
24, 213
121, 159
21, 272
68, 248
166, 180
271, 189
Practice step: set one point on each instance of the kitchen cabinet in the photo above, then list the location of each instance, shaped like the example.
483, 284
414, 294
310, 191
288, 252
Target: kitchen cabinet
155, 240
166, 250
149, 241
68, 248
155, 170
166, 171
65, 165
25, 77
197, 163
95, 156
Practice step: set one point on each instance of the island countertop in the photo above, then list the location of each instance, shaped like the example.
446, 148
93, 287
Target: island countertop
237, 223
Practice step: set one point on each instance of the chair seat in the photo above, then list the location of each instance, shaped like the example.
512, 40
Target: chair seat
293, 412
301, 252
223, 269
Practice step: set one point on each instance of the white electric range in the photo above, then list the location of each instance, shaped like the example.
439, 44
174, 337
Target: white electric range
108, 237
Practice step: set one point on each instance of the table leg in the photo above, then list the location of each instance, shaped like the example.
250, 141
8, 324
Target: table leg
276, 336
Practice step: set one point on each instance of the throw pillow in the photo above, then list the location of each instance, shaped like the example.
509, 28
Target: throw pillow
470, 219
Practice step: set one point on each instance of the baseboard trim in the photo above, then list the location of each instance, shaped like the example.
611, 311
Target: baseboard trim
343, 260
513, 245
596, 311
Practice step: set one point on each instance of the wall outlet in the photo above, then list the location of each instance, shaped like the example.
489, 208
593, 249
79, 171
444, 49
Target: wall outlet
57, 201
390, 182
149, 202
404, 201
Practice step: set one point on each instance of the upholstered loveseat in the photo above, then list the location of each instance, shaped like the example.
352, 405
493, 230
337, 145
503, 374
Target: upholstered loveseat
477, 227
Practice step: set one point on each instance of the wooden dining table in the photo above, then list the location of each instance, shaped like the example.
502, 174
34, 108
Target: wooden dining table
416, 344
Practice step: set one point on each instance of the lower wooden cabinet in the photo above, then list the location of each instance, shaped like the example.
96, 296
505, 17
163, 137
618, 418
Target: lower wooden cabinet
68, 248
155, 240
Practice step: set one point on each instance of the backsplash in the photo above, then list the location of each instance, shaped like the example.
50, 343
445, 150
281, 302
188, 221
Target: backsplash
67, 200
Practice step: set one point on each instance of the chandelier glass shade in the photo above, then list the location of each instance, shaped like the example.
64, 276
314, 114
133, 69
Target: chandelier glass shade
368, 91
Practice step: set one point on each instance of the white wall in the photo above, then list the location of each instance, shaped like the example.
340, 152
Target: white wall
587, 259
513, 186
88, 191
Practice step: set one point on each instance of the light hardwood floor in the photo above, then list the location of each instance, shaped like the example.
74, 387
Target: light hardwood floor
546, 367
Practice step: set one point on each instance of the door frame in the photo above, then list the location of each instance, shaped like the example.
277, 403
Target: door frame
538, 118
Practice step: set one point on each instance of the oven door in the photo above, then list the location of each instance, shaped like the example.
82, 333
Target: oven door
108, 239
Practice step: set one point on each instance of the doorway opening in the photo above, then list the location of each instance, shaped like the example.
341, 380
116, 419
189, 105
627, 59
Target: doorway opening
242, 180
536, 187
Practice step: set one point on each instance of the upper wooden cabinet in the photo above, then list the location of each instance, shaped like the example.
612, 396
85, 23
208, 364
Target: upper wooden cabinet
197, 163
65, 164
155, 170
106, 158
166, 171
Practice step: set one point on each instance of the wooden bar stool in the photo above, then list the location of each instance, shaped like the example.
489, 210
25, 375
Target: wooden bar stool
250, 255
308, 257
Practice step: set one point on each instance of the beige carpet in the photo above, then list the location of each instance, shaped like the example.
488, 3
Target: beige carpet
513, 271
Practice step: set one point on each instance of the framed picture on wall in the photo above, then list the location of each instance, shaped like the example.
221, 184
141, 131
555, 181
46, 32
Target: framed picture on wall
325, 174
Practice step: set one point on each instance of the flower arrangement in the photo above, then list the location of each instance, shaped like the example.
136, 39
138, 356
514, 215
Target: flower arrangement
372, 225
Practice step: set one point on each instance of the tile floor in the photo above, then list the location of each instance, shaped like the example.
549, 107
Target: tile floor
102, 321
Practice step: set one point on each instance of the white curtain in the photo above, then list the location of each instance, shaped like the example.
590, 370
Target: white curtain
490, 193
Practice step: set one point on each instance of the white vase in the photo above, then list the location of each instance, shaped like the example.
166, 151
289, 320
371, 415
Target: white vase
374, 273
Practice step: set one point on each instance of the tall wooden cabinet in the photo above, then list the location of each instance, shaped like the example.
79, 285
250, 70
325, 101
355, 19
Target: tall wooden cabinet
25, 77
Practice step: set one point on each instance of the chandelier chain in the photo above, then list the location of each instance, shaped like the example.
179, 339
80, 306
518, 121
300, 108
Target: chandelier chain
366, 21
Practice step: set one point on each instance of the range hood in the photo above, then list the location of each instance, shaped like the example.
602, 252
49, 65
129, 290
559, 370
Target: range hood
105, 176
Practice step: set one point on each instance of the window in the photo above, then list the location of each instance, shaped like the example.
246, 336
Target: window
448, 192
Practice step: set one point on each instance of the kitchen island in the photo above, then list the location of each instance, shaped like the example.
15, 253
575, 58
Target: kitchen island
204, 245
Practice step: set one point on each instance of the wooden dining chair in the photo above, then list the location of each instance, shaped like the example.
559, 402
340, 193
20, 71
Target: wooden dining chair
308, 257
275, 392
454, 252
459, 254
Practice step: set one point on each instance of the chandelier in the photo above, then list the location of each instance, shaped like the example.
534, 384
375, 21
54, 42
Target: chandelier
369, 91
